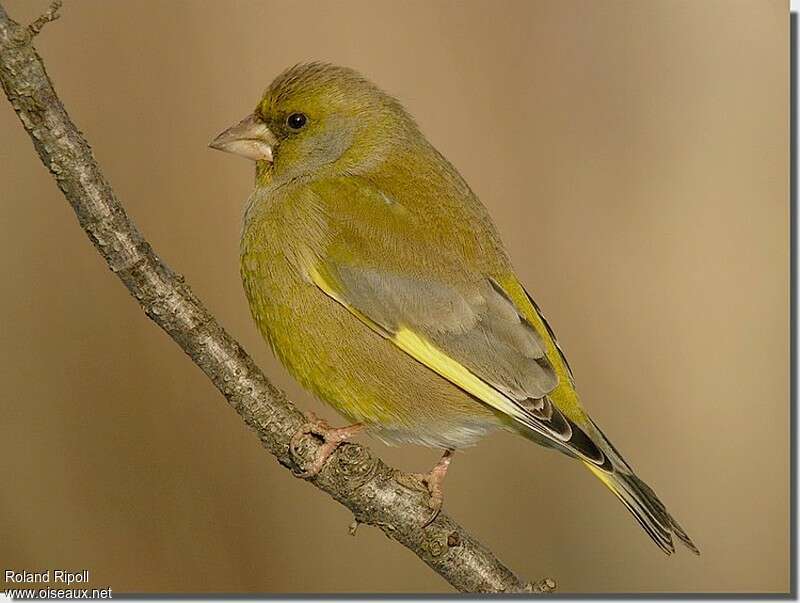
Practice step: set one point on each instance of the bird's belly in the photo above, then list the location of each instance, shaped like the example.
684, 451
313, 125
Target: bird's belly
357, 371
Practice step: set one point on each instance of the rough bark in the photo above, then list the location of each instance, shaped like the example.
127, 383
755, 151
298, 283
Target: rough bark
375, 493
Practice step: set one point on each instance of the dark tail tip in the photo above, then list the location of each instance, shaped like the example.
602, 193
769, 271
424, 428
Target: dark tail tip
656, 513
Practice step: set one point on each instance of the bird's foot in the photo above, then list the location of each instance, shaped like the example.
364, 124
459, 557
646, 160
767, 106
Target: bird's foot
433, 481
332, 438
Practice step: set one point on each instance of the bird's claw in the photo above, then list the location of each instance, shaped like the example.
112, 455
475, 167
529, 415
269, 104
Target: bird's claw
436, 496
331, 438
433, 482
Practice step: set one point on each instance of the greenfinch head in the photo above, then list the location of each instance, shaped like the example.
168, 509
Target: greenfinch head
319, 118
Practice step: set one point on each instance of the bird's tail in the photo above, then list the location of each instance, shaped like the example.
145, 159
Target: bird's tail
641, 501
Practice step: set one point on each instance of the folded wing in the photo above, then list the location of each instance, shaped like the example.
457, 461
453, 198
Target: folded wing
471, 334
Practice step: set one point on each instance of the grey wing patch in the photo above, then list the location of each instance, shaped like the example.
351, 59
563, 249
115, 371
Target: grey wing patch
392, 300
476, 325
501, 348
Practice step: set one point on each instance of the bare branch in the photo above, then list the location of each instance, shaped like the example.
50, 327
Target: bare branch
375, 493
51, 14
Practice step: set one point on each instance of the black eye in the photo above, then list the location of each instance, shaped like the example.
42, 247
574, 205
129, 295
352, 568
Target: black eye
296, 121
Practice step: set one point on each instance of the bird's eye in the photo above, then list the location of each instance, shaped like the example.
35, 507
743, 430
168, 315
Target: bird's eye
296, 121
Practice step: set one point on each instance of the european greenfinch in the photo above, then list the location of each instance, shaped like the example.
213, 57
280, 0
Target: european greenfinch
380, 282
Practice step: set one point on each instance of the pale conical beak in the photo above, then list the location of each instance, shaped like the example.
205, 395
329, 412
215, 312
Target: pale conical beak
249, 138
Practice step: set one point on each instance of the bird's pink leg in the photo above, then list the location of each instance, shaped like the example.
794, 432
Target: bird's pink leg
332, 438
433, 481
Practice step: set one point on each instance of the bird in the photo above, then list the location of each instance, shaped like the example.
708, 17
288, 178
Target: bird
380, 282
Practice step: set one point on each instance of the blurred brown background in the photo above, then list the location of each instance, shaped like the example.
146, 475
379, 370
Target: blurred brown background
634, 157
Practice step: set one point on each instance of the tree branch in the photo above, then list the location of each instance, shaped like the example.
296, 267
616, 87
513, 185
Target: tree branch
375, 493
